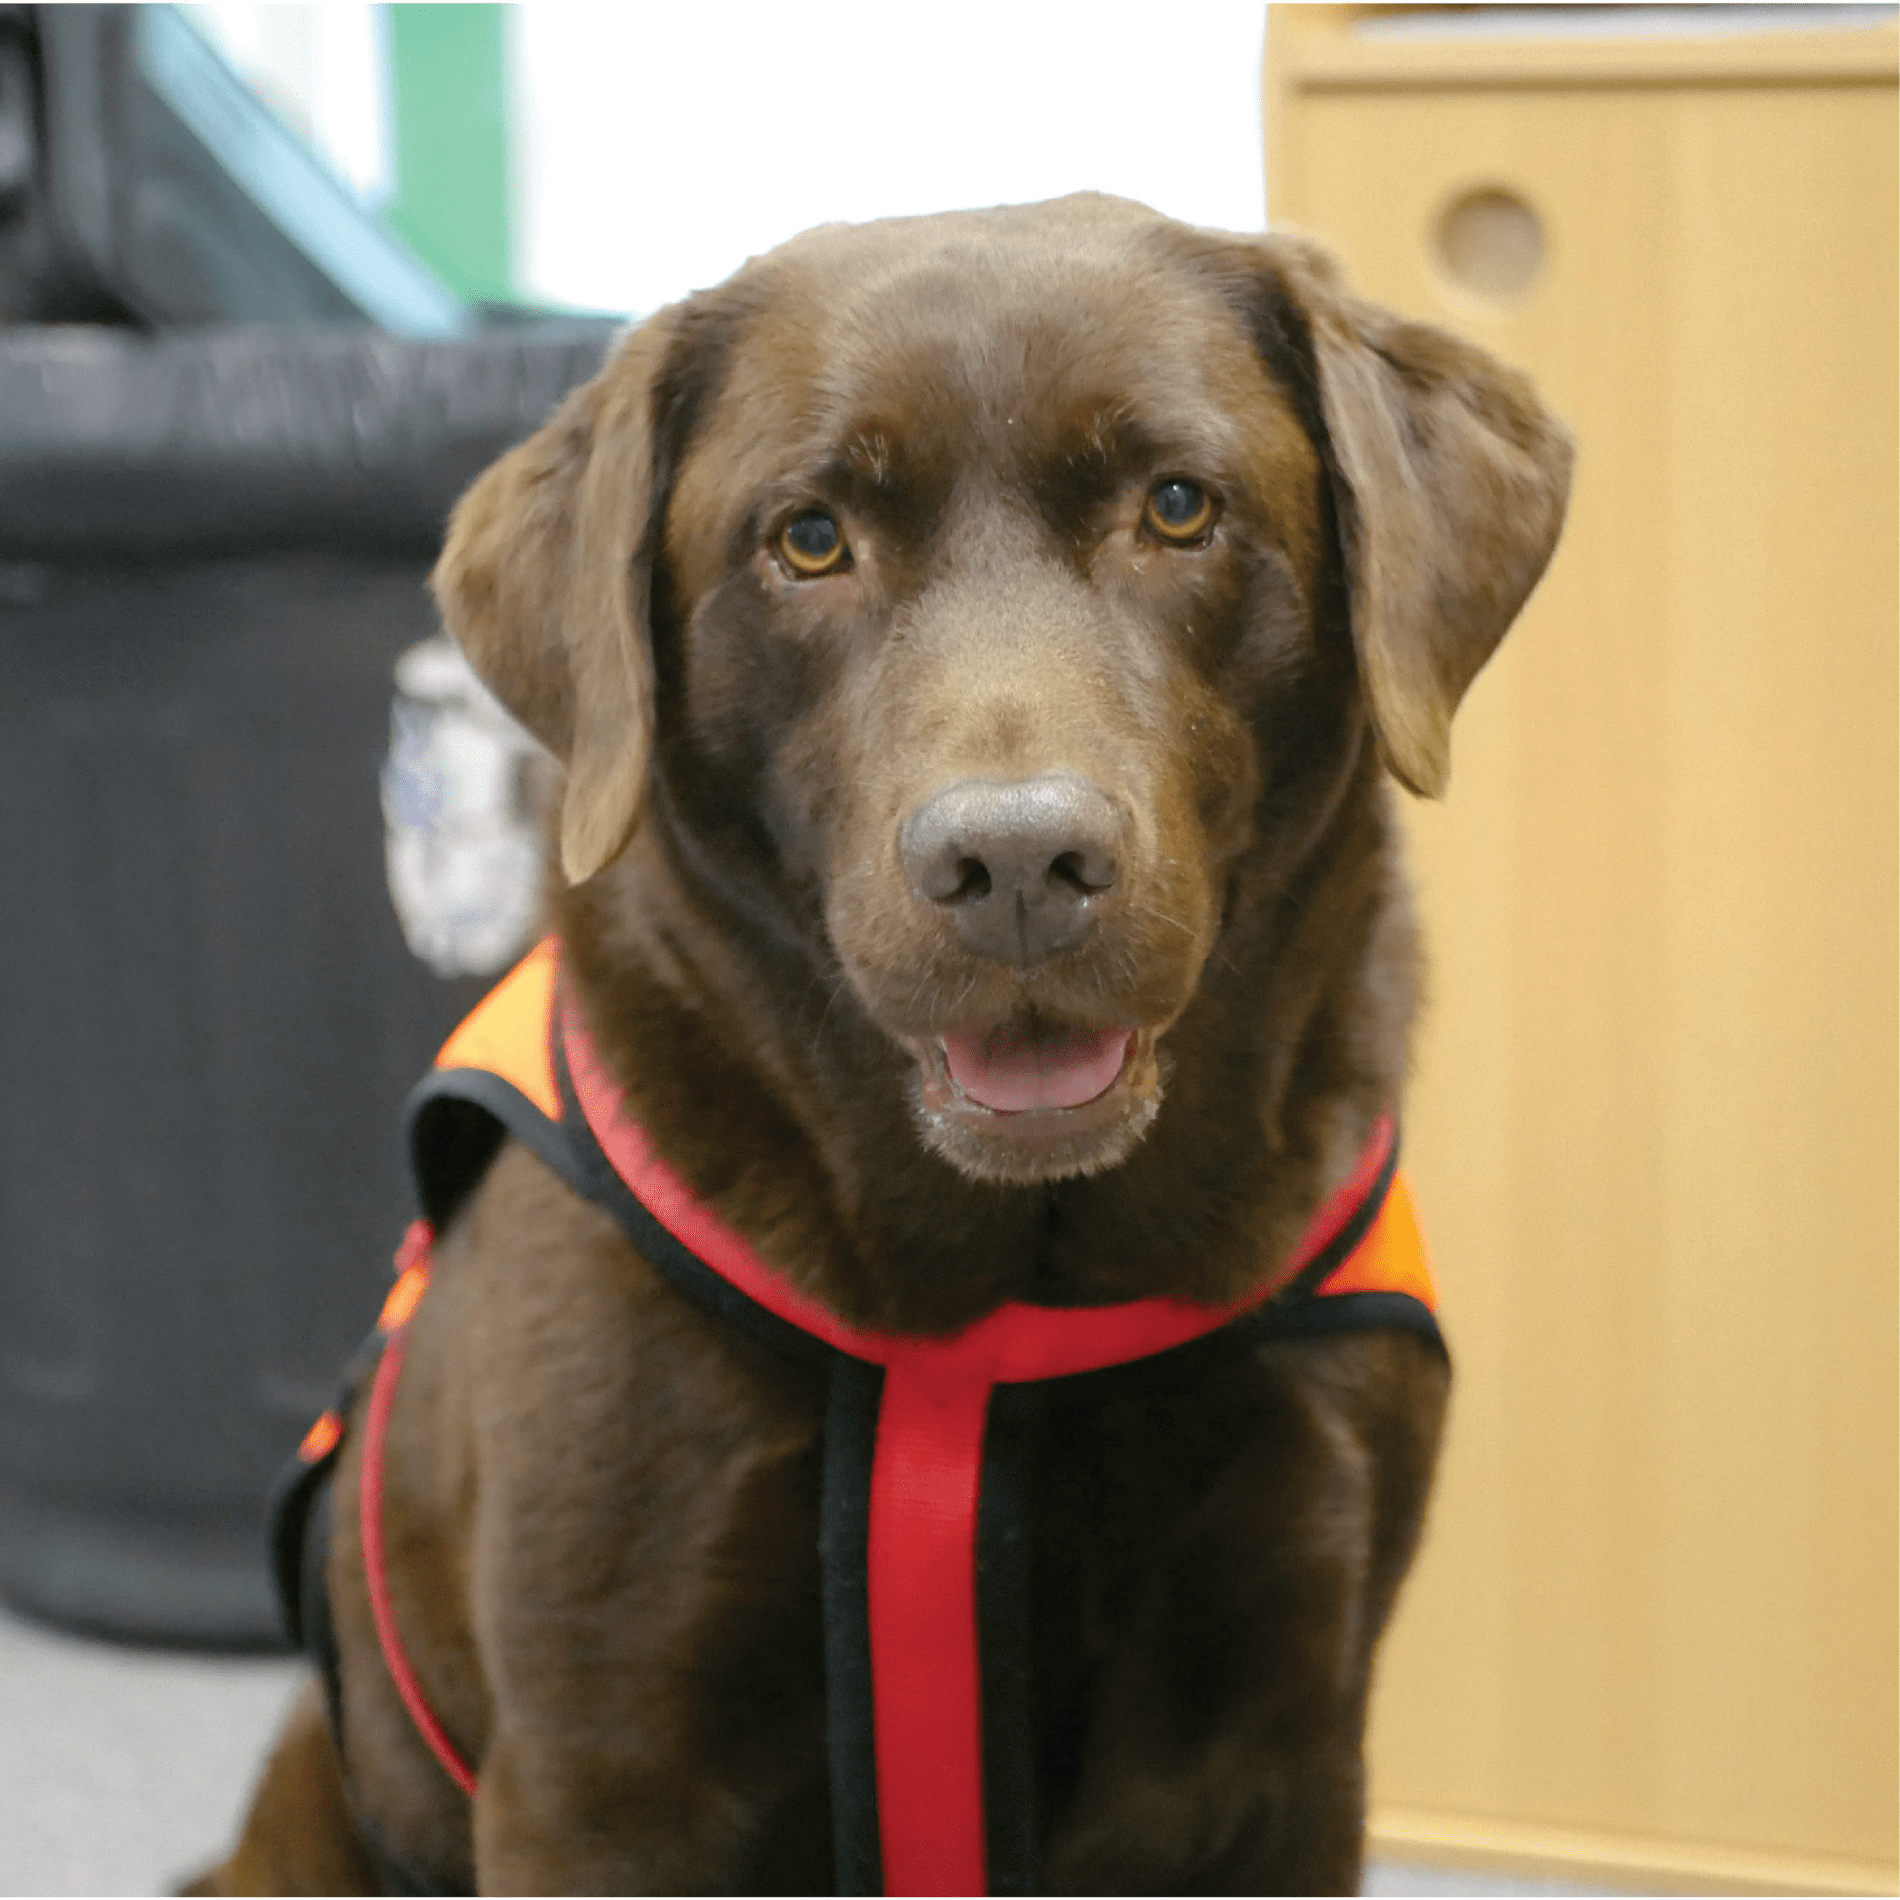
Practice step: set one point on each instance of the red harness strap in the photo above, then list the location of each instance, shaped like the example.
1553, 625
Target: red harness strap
925, 1477
412, 1264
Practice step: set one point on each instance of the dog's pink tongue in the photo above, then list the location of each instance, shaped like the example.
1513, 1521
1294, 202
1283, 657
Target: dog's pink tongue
1013, 1068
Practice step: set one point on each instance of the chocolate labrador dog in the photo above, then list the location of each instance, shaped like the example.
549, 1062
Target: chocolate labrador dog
979, 648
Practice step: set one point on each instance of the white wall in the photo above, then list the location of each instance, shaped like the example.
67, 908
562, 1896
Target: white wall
661, 142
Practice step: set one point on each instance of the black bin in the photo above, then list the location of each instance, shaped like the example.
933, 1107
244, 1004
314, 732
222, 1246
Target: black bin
213, 546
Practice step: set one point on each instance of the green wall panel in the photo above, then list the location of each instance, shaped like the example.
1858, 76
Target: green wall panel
448, 68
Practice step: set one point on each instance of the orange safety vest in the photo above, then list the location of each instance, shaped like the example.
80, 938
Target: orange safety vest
928, 1695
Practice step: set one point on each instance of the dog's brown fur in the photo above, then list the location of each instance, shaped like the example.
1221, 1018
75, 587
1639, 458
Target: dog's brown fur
602, 1501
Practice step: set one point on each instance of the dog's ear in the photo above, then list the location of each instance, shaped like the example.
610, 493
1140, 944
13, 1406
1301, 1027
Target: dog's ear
1449, 483
545, 581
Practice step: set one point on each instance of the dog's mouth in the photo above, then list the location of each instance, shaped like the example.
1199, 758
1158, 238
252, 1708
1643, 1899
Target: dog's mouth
1024, 1065
1031, 1099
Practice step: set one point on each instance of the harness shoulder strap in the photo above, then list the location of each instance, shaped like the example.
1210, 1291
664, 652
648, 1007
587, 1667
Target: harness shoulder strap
1375, 1275
1392, 1258
507, 1032
494, 1077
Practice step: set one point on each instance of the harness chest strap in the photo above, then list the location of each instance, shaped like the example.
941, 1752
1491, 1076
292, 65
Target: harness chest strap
931, 1401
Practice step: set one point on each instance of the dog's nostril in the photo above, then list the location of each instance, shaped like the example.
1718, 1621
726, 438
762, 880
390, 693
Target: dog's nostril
973, 882
1074, 869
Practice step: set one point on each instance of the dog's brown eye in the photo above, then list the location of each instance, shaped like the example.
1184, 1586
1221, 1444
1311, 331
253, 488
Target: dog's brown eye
1179, 510
813, 544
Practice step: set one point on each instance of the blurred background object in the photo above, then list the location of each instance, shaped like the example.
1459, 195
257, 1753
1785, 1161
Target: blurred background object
213, 545
148, 184
466, 791
1652, 1633
234, 413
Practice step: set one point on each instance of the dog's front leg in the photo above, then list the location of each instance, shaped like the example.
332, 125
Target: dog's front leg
643, 1589
1223, 1742
1224, 1751
674, 1782
551, 1818
298, 1836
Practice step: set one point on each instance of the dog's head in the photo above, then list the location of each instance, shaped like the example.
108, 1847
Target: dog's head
985, 603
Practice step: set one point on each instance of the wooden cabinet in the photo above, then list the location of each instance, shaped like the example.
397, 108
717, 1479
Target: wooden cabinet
1652, 1633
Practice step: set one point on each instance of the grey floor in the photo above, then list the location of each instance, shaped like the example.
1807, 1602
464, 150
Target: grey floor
122, 1771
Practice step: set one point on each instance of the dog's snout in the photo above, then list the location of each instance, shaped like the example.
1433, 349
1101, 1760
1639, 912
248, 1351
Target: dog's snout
1017, 866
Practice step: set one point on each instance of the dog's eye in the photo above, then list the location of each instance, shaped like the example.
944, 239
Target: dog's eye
812, 543
1179, 510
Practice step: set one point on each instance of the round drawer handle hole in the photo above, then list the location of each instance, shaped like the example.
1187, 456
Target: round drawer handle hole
1491, 242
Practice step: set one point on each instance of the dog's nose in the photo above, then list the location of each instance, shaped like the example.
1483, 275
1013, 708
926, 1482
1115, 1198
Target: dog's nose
1017, 866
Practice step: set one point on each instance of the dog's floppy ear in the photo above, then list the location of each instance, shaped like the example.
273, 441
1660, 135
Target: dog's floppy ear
1449, 483
545, 581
